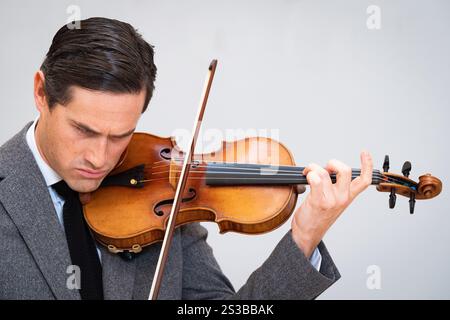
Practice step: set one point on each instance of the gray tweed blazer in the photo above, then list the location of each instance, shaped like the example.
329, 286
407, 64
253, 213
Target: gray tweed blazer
34, 256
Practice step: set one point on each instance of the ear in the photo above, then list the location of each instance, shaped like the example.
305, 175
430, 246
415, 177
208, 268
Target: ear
39, 92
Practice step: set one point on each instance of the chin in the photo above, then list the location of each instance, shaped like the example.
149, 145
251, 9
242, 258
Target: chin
85, 186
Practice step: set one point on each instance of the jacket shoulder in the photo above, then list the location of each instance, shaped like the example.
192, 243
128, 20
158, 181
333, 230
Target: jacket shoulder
14, 151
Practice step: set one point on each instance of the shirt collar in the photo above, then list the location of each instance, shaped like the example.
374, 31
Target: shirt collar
50, 175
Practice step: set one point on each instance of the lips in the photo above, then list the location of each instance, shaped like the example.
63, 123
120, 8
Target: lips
90, 174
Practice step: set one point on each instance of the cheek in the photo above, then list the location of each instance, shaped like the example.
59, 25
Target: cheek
71, 148
116, 149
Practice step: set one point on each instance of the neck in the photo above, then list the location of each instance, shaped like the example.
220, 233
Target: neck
39, 139
258, 174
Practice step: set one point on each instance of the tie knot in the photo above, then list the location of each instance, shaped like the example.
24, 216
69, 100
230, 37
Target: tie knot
63, 189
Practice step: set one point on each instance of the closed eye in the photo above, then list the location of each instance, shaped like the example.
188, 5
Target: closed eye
84, 131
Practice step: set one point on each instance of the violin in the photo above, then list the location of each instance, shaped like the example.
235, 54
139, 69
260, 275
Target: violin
130, 209
247, 186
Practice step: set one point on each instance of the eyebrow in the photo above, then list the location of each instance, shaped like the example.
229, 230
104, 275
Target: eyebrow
92, 131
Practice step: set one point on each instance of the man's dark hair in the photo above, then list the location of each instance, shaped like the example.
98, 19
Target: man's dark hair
103, 55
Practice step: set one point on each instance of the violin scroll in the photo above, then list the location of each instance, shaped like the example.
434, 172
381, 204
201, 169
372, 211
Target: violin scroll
428, 186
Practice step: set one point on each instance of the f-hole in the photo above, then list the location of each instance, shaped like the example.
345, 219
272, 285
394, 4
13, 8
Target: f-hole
159, 212
165, 153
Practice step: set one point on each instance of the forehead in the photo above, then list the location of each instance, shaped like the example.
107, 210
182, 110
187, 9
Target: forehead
104, 110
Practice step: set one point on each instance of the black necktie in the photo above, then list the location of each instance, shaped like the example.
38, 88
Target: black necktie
83, 251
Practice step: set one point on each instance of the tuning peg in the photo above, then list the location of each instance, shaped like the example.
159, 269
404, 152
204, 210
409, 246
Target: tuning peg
392, 198
406, 169
412, 202
386, 163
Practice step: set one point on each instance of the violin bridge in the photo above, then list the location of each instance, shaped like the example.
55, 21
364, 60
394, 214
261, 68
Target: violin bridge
174, 170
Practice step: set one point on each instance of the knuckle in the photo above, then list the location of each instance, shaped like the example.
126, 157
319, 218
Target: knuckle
343, 201
323, 174
346, 170
309, 168
328, 204
313, 178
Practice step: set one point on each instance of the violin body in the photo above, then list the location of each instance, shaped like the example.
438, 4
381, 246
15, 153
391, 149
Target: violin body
129, 216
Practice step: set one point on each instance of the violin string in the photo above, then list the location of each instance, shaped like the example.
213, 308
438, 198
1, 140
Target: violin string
236, 166
246, 168
266, 179
161, 166
381, 176
288, 173
231, 169
376, 175
160, 161
390, 179
293, 174
354, 175
231, 178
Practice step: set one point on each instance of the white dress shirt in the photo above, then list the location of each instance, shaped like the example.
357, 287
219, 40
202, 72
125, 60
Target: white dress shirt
51, 177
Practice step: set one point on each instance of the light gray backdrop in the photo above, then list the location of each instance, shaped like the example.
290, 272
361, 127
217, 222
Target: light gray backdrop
317, 73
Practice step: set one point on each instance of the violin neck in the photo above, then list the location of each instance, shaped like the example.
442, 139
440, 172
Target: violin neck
222, 174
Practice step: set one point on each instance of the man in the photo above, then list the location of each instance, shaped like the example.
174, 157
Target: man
90, 91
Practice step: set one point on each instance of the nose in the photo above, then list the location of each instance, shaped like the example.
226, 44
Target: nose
97, 154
